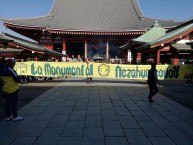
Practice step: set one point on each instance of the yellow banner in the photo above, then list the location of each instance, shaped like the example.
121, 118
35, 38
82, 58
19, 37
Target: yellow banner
102, 70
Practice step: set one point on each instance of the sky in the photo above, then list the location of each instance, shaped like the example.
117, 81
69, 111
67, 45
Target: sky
180, 10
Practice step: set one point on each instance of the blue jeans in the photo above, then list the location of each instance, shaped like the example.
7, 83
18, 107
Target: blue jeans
11, 101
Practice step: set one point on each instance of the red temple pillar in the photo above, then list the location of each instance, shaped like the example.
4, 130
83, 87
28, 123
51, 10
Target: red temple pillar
158, 57
176, 59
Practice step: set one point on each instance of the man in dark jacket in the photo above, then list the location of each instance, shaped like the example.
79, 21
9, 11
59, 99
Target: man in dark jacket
152, 82
10, 90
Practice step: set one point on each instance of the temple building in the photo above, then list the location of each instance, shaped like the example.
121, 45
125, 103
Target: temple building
163, 46
88, 28
21, 49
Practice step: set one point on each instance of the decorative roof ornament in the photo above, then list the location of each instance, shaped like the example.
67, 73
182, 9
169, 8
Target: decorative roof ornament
156, 24
155, 32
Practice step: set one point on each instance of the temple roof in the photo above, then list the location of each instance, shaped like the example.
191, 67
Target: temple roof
182, 47
155, 32
171, 35
29, 45
4, 40
10, 50
91, 16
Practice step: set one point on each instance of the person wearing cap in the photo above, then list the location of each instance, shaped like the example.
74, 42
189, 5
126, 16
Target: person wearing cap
10, 89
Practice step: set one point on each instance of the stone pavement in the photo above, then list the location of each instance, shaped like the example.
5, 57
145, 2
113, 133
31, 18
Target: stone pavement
105, 112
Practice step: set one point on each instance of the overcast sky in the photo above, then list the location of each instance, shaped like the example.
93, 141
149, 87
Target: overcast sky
179, 10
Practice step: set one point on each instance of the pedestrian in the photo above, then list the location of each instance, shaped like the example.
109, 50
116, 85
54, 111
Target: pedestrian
10, 81
152, 82
88, 79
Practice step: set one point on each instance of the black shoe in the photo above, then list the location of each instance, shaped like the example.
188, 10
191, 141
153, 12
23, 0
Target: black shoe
150, 100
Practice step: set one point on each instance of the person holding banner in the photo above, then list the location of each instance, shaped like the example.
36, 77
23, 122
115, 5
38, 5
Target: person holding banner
88, 79
152, 82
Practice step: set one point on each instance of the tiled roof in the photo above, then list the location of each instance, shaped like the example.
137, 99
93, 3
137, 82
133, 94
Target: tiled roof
30, 45
176, 33
92, 16
155, 32
10, 50
3, 39
182, 47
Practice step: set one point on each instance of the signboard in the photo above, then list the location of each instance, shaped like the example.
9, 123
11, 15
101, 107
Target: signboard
102, 70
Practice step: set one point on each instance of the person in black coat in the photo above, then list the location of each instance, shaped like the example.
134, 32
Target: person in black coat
152, 82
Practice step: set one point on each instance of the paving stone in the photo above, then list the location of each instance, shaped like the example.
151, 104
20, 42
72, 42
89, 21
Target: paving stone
70, 141
35, 129
93, 110
46, 115
140, 116
112, 128
151, 129
109, 115
118, 103
178, 137
24, 141
161, 141
37, 110
78, 115
162, 122
133, 107
58, 121
128, 122
185, 127
136, 137
93, 136
116, 141
74, 129
93, 121
171, 117
106, 106
44, 103
49, 136
8, 135
64, 110
121, 111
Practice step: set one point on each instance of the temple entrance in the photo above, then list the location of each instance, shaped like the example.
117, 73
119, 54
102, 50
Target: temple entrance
57, 47
75, 49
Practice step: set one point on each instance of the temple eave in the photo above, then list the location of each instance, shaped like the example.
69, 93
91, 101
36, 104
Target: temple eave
74, 32
23, 26
174, 38
95, 33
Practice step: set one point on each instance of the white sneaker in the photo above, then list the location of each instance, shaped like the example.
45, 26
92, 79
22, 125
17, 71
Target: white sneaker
18, 118
9, 118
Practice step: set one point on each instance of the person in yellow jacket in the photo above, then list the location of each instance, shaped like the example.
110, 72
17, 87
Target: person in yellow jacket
10, 89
